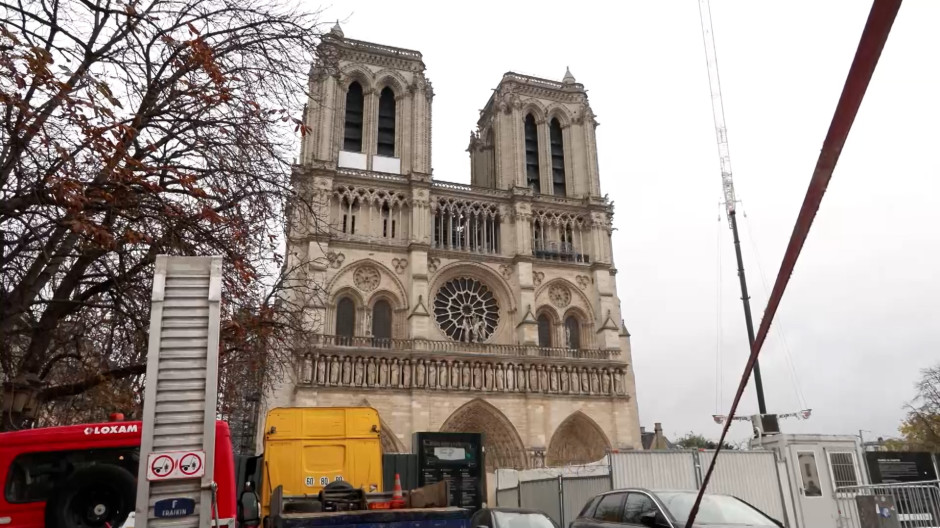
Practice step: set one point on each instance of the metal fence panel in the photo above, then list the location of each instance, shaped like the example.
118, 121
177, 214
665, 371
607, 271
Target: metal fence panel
507, 498
918, 504
654, 470
403, 464
541, 495
576, 491
748, 475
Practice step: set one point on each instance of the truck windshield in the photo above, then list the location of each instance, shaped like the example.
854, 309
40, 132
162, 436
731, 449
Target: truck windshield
33, 475
521, 520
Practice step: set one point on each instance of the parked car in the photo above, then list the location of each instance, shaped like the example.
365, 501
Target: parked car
668, 509
510, 518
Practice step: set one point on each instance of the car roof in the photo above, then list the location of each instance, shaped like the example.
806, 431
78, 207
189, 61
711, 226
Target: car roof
514, 510
657, 491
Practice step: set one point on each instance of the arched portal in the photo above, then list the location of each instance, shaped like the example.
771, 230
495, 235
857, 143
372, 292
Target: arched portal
390, 443
504, 448
578, 440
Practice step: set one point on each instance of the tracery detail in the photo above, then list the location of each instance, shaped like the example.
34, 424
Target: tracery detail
560, 295
366, 278
466, 310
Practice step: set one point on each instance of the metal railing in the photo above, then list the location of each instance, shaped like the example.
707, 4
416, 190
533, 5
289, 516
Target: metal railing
562, 251
917, 503
427, 345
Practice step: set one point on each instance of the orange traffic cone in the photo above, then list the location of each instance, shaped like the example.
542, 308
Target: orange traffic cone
398, 500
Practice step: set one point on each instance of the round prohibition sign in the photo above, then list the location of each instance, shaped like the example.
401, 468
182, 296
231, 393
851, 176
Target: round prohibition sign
162, 465
190, 464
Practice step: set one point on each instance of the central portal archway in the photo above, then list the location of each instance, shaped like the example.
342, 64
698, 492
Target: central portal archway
504, 448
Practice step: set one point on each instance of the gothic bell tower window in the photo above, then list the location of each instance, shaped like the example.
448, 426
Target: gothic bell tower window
531, 154
352, 131
558, 158
386, 136
466, 310
345, 321
545, 330
572, 332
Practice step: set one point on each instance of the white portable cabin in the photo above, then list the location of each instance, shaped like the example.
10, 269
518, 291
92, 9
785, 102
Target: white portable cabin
817, 466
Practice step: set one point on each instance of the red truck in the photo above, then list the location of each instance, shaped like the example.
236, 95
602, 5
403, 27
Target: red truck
86, 475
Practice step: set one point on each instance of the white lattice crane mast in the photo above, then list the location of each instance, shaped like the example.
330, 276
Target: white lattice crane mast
718, 110
727, 185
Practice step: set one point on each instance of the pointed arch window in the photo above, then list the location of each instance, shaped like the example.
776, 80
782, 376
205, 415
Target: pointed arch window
352, 131
386, 136
545, 330
531, 153
558, 157
382, 324
345, 321
572, 332
348, 209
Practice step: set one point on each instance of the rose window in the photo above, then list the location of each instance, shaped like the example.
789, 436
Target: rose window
466, 310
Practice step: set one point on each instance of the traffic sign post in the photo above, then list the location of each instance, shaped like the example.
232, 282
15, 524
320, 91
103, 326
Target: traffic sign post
168, 465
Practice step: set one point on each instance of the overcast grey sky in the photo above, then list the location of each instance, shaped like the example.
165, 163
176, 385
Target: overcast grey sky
860, 315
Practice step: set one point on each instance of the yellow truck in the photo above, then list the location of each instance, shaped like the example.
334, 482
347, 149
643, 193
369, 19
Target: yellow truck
306, 448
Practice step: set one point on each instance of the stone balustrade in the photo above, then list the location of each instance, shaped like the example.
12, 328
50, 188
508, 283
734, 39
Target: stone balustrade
518, 371
489, 349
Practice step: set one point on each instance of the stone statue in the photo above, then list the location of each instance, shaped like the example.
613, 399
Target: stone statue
575, 381
432, 374
595, 382
567, 337
455, 374
383, 373
543, 378
395, 373
605, 381
443, 375
500, 379
510, 377
533, 379
585, 382
520, 378
406, 373
465, 380
370, 372
306, 369
321, 370
618, 382
477, 376
553, 380
346, 375
419, 374
488, 377
466, 330
564, 377
478, 325
334, 370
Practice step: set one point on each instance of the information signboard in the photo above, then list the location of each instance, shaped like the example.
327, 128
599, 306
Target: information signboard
457, 458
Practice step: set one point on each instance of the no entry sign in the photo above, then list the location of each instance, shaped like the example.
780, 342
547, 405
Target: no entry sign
168, 465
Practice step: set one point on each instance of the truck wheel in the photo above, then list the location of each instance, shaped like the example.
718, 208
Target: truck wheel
92, 497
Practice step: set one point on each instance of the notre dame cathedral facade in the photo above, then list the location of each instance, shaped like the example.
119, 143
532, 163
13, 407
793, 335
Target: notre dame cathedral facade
490, 307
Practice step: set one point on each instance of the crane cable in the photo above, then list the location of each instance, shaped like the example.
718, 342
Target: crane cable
787, 355
877, 28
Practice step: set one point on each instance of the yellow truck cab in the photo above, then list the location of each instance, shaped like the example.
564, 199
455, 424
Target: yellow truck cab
306, 448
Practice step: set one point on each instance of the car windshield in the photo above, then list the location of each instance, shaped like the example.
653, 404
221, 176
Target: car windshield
715, 509
521, 520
